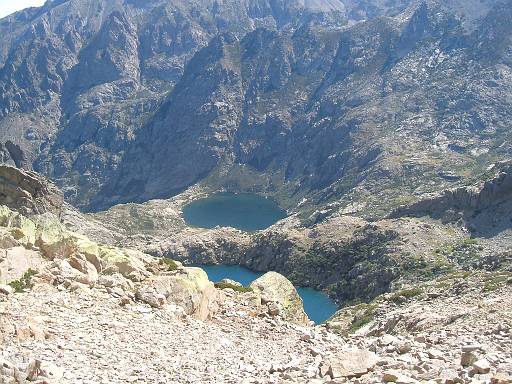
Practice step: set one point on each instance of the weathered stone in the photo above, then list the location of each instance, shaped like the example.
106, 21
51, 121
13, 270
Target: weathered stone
33, 369
277, 289
471, 347
387, 339
501, 378
6, 289
449, 376
128, 263
150, 295
353, 363
15, 262
481, 366
390, 376
189, 288
273, 309
404, 347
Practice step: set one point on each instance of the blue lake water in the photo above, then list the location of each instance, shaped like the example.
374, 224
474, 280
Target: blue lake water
244, 211
317, 305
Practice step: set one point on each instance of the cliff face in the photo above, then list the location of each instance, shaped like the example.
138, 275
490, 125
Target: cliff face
29, 192
371, 104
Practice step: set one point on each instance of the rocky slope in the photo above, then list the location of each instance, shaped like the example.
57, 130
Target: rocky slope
75, 311
366, 104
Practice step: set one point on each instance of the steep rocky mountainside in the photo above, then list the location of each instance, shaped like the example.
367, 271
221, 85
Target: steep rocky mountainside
362, 104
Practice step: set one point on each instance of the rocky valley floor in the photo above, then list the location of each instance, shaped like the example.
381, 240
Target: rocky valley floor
89, 336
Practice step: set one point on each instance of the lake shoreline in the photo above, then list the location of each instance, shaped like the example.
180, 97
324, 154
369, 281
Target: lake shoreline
247, 212
317, 304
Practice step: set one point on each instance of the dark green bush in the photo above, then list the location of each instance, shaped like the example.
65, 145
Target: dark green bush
25, 282
170, 264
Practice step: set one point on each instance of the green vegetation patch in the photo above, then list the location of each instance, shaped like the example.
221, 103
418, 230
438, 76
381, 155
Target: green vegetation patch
170, 264
408, 293
365, 313
234, 287
25, 282
495, 282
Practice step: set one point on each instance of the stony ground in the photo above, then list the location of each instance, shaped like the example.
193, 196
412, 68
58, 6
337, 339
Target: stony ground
88, 336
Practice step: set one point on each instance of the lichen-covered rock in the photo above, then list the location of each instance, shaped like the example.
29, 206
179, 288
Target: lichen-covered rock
188, 288
15, 262
129, 263
20, 227
277, 289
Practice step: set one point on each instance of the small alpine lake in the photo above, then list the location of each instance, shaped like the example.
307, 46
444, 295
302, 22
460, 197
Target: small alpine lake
318, 305
244, 211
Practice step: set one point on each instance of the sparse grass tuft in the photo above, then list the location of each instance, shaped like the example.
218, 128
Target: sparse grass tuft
170, 264
495, 282
235, 288
406, 293
365, 314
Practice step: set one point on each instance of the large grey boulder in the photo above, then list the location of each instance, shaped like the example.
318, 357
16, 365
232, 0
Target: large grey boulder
281, 297
188, 288
15, 262
351, 363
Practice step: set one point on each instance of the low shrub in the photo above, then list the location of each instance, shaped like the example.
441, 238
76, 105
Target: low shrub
406, 293
25, 282
170, 264
236, 288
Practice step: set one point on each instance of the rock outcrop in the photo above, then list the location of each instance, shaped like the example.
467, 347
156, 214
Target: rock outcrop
188, 288
43, 246
280, 297
487, 196
28, 192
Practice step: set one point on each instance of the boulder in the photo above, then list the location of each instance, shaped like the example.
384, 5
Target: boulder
188, 288
80, 263
150, 294
467, 359
7, 239
16, 261
275, 288
116, 281
19, 227
52, 238
481, 366
129, 263
351, 364
390, 376
75, 270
